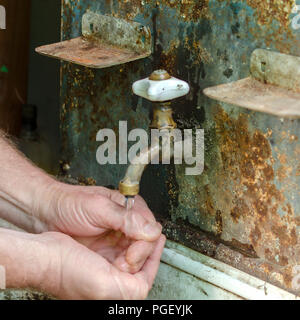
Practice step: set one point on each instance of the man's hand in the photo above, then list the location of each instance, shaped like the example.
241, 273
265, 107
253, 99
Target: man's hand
97, 218
84, 274
55, 263
90, 211
94, 248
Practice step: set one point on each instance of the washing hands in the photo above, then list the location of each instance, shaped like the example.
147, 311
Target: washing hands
81, 242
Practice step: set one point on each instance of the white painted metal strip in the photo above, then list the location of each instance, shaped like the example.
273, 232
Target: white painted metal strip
234, 281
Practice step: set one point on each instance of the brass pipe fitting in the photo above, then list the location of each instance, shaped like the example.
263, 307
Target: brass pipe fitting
163, 117
129, 190
159, 75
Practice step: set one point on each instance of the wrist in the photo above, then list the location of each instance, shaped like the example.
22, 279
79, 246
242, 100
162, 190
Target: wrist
22, 184
24, 205
30, 261
43, 199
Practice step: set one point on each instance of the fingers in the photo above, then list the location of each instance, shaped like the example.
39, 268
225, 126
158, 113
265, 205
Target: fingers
139, 252
115, 196
133, 224
135, 256
150, 268
101, 210
141, 206
137, 286
139, 203
138, 227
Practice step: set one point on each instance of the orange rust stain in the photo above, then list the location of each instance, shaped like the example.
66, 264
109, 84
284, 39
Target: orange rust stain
189, 10
219, 223
282, 173
282, 158
286, 238
198, 52
293, 138
209, 203
288, 275
129, 9
247, 158
297, 221
298, 171
268, 173
240, 209
267, 11
168, 58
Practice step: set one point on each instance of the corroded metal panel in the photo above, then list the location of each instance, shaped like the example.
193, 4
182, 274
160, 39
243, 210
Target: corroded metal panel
247, 199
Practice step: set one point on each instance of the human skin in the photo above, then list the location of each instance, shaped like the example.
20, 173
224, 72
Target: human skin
81, 242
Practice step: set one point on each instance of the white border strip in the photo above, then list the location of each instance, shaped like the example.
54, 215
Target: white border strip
2, 278
234, 281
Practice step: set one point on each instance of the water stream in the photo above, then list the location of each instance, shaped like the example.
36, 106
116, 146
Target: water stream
129, 203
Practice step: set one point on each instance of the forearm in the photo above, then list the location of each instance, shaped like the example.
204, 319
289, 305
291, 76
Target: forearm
27, 260
19, 218
22, 186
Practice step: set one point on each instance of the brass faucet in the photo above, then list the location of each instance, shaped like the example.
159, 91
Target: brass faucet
160, 88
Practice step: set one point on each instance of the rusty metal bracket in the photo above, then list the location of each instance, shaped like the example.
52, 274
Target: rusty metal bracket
273, 87
106, 41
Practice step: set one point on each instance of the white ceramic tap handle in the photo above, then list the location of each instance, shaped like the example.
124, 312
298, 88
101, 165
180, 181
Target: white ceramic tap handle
163, 88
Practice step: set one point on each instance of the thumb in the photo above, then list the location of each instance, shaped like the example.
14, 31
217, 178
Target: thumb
137, 227
131, 222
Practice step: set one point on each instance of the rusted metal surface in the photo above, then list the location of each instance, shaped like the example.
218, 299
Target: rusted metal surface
241, 259
89, 53
247, 199
105, 42
117, 32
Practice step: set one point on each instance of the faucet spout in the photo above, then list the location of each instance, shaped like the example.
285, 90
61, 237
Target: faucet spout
163, 150
130, 185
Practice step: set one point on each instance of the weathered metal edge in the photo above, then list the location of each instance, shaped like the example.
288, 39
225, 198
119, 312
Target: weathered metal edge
264, 106
40, 50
